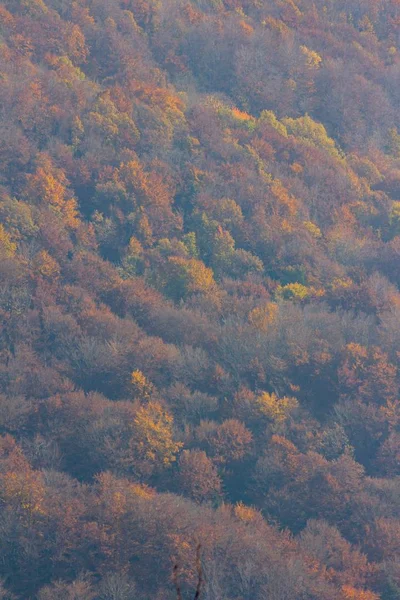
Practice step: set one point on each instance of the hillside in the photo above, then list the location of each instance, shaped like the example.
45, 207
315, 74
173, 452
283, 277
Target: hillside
199, 299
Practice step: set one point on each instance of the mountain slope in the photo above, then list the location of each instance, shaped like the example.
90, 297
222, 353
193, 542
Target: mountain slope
200, 243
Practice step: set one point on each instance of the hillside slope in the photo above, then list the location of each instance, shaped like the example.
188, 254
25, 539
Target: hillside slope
199, 299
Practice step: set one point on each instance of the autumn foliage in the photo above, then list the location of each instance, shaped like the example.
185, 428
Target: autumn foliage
199, 299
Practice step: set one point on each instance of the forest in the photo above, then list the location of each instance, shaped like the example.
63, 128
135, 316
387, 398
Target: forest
199, 299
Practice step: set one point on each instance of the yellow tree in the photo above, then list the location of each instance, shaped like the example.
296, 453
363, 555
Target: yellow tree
277, 410
153, 446
141, 386
186, 276
49, 185
7, 246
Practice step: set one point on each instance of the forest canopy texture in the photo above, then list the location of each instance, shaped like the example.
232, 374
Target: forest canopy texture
199, 299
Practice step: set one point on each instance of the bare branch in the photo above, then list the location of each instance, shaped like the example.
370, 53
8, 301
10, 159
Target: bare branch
199, 572
176, 582
199, 576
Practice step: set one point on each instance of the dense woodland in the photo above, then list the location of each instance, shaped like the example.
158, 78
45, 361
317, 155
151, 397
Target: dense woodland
199, 299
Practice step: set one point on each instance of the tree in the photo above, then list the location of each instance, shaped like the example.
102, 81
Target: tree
229, 442
368, 375
49, 185
7, 247
345, 564
79, 589
198, 477
116, 587
187, 276
141, 387
152, 444
388, 456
